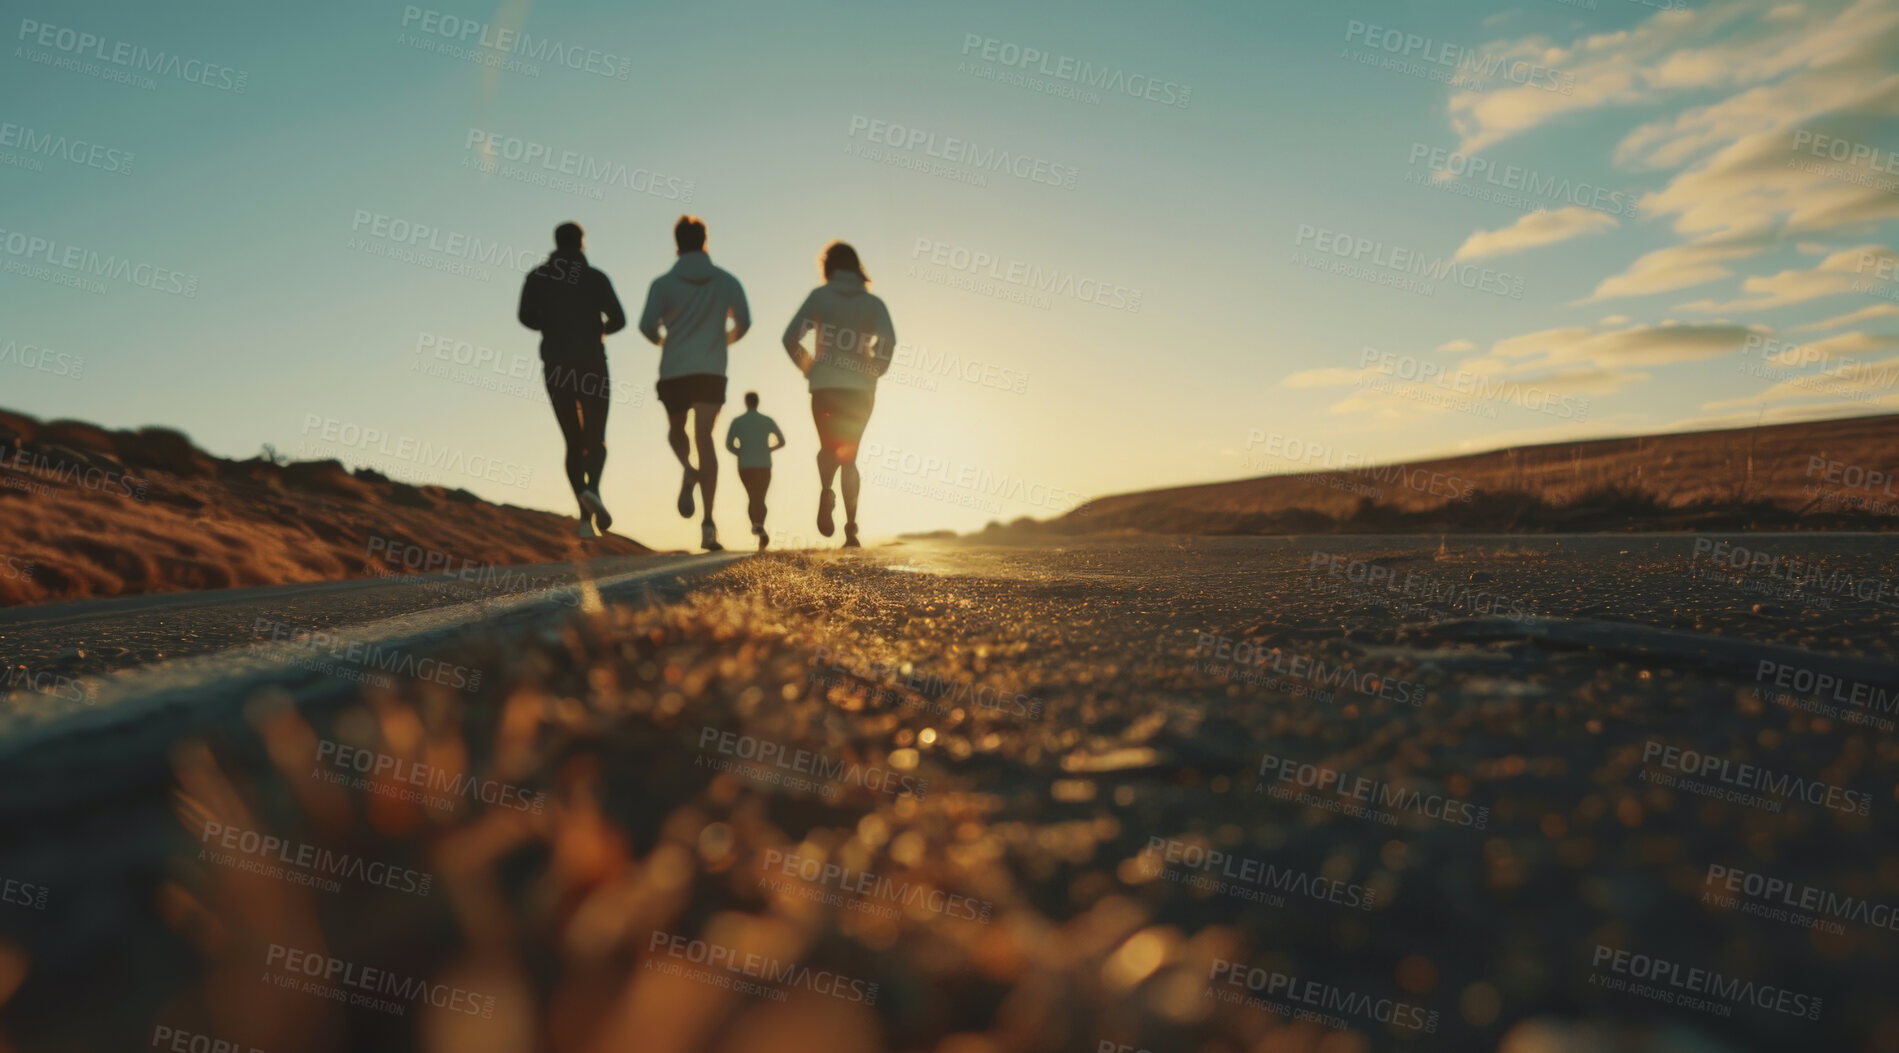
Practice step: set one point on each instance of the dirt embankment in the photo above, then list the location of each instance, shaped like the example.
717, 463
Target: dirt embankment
1837, 474
85, 511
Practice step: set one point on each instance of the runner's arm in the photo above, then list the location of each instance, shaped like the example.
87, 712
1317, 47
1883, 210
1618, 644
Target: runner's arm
610, 306
530, 310
801, 323
775, 434
731, 436
886, 341
740, 313
649, 318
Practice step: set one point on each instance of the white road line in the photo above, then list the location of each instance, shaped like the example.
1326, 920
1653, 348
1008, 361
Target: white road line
134, 693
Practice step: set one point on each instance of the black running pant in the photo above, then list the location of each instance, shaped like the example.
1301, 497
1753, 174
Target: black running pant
579, 390
757, 481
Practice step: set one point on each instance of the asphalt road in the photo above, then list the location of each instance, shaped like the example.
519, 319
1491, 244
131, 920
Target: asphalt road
1039, 719
92, 637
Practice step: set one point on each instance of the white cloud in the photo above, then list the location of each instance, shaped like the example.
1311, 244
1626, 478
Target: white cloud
1534, 230
1579, 362
1740, 187
1844, 271
1864, 314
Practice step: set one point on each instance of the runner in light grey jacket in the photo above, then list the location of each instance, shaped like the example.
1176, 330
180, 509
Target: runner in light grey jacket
686, 312
852, 344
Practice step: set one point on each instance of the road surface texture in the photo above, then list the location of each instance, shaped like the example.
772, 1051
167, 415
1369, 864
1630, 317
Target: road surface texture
1216, 794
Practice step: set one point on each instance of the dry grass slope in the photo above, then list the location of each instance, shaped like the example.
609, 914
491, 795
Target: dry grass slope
1825, 474
89, 512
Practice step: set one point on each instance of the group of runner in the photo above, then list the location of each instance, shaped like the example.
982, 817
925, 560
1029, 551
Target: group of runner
840, 338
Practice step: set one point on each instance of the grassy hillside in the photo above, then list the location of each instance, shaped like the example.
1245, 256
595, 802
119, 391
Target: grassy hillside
89, 512
1824, 474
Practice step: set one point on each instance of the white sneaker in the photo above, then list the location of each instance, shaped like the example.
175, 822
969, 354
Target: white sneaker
709, 538
587, 532
590, 500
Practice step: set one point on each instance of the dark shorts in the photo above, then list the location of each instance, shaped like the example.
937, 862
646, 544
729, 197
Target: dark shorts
841, 413
680, 394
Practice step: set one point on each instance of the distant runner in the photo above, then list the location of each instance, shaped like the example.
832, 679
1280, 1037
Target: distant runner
852, 344
750, 438
566, 300
686, 312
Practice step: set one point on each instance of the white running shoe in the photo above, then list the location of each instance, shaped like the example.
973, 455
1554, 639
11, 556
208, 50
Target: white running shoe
587, 532
590, 500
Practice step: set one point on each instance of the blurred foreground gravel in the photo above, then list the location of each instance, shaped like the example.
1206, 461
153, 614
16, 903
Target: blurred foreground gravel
1207, 794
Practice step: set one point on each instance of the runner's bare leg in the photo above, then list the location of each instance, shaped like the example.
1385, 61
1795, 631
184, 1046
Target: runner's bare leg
705, 416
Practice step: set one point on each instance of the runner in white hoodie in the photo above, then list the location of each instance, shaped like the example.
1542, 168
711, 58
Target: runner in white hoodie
852, 345
691, 303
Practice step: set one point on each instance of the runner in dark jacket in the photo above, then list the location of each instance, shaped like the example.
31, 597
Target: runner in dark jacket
574, 308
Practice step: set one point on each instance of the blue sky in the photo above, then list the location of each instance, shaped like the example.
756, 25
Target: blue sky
1291, 203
